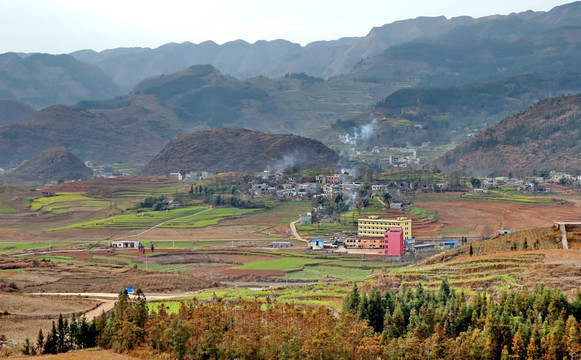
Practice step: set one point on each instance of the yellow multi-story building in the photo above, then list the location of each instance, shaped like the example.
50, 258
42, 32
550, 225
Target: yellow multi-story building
373, 226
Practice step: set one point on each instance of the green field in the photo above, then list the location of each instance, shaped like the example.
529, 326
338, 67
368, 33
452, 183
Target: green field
11, 247
351, 216
63, 202
208, 217
6, 209
421, 213
322, 229
136, 220
283, 264
313, 267
315, 273
508, 195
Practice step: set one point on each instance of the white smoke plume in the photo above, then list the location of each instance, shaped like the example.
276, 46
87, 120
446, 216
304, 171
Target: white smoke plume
361, 134
287, 161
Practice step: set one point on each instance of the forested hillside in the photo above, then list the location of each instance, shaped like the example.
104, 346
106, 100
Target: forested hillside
449, 115
545, 136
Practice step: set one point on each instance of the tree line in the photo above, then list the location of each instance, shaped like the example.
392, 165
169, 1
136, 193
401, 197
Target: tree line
418, 324
409, 324
64, 335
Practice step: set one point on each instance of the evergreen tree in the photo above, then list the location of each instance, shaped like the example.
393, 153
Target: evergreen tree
519, 344
51, 344
26, 347
352, 300
398, 322
363, 308
375, 311
40, 342
445, 291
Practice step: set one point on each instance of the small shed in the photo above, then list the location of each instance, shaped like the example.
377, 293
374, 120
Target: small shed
306, 219
125, 244
450, 244
317, 244
505, 231
423, 247
281, 244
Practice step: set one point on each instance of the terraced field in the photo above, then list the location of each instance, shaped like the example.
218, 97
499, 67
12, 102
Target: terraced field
471, 274
63, 202
136, 220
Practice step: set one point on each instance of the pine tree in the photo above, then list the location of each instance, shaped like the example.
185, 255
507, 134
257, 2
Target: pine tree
26, 347
375, 311
51, 344
398, 322
363, 308
40, 342
573, 337
533, 351
519, 343
352, 299
445, 291
438, 337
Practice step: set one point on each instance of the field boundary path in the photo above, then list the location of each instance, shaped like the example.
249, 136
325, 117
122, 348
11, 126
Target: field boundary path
293, 227
108, 300
158, 225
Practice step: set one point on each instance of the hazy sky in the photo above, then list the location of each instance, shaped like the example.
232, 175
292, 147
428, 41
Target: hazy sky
62, 26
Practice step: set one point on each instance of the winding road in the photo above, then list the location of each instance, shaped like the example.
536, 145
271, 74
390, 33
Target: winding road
293, 227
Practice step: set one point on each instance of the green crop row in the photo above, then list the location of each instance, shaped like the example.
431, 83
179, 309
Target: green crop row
144, 219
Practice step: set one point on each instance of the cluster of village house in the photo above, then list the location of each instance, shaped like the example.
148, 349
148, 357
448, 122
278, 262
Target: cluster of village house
528, 184
327, 185
106, 172
374, 155
294, 187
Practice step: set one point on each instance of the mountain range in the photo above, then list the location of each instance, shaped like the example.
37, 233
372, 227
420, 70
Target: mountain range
429, 51
425, 79
42, 80
491, 36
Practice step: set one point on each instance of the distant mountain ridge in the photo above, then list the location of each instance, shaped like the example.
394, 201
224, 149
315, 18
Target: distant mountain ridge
42, 80
12, 111
490, 49
235, 149
135, 127
545, 136
128, 66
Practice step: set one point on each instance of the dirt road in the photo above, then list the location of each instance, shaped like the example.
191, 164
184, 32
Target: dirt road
293, 227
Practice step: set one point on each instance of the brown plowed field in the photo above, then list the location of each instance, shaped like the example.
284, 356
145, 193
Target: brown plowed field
475, 219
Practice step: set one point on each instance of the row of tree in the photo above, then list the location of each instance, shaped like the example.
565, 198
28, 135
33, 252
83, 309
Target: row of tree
410, 324
65, 335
